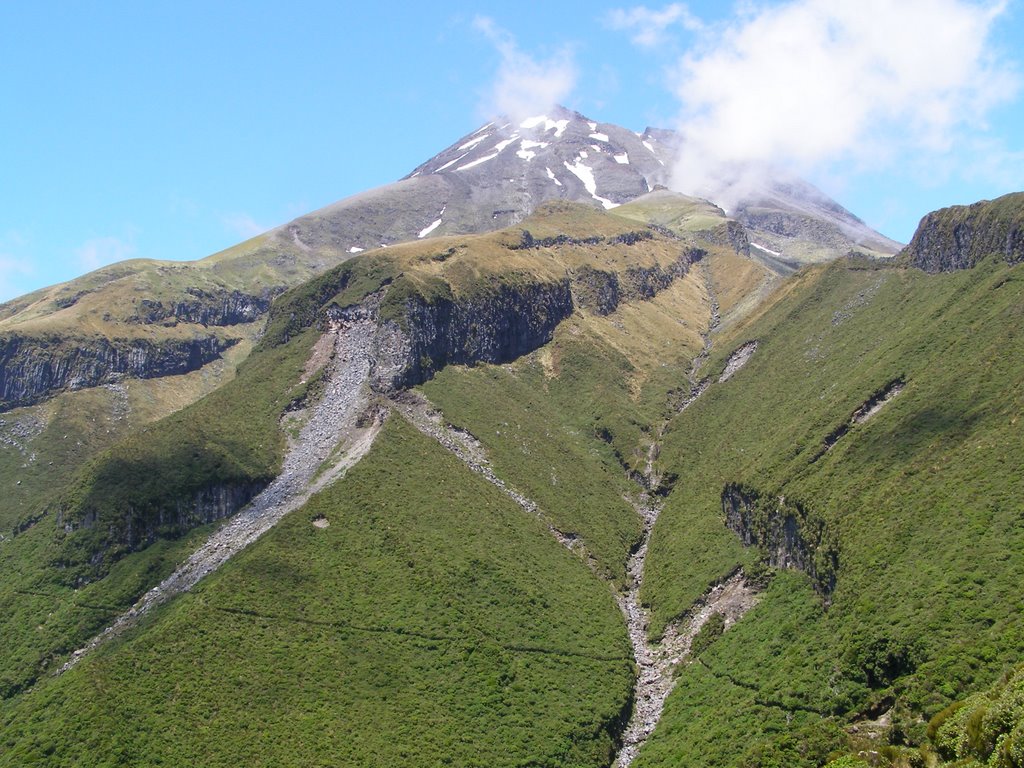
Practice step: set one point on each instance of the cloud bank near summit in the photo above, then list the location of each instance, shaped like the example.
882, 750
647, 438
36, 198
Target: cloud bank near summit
525, 85
830, 87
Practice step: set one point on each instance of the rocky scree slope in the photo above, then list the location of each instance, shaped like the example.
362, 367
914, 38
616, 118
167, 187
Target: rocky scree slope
338, 431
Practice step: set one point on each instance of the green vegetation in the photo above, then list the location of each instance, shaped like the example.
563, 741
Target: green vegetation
923, 500
553, 438
432, 623
985, 729
711, 631
229, 439
43, 619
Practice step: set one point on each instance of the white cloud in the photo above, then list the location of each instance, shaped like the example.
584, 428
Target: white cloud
243, 225
100, 251
649, 26
811, 84
525, 86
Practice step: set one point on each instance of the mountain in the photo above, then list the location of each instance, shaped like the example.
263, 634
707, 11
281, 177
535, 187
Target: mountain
614, 480
142, 319
85, 362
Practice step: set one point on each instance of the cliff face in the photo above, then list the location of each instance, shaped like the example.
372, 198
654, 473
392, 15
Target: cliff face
420, 321
33, 368
960, 236
789, 534
138, 529
497, 327
730, 234
601, 291
505, 321
220, 307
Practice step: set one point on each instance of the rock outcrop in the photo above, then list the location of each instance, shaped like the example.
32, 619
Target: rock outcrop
960, 236
600, 291
788, 533
730, 234
33, 368
138, 529
501, 321
495, 326
217, 307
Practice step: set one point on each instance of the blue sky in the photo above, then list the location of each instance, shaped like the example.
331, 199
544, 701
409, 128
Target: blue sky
173, 130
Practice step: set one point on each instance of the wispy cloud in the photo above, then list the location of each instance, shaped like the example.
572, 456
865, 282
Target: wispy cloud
243, 225
809, 84
648, 27
525, 85
11, 270
100, 251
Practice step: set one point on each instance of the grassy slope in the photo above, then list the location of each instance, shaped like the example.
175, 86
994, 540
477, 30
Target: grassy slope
925, 498
420, 628
631, 358
231, 434
563, 424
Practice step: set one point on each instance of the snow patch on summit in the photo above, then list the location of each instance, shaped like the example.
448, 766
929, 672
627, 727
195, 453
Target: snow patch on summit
451, 162
483, 159
473, 142
558, 126
586, 174
501, 145
551, 175
526, 148
651, 150
431, 227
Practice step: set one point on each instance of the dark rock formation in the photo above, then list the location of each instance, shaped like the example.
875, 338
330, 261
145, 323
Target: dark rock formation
502, 321
219, 307
137, 528
960, 236
33, 368
730, 234
495, 326
789, 534
595, 290
601, 291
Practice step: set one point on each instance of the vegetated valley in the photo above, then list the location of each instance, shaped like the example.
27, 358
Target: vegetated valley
600, 487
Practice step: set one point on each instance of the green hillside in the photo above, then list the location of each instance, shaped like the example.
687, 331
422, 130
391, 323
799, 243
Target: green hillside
420, 627
923, 501
866, 446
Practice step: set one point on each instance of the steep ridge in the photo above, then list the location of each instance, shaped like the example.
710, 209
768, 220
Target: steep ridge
457, 603
656, 661
204, 463
882, 515
960, 236
469, 307
563, 301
